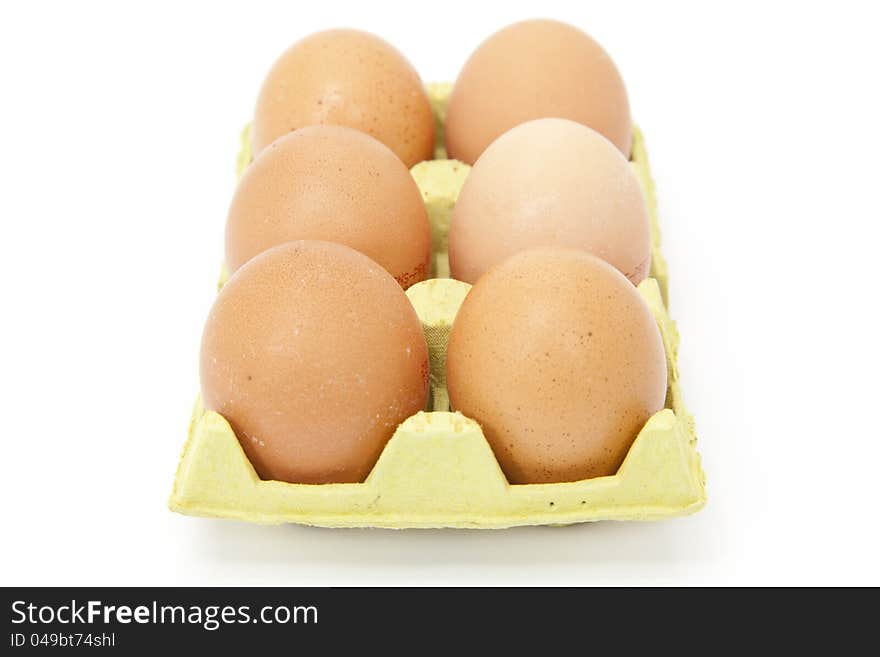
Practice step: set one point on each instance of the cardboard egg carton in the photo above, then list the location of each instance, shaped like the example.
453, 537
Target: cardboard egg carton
438, 470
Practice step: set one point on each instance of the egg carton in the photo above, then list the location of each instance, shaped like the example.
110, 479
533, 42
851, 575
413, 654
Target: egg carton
438, 470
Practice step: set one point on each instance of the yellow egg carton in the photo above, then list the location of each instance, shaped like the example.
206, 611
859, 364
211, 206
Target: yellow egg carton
438, 470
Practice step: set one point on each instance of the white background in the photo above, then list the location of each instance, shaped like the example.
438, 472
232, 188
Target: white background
119, 132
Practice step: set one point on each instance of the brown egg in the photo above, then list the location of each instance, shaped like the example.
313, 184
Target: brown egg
314, 355
336, 184
532, 70
559, 359
352, 78
550, 182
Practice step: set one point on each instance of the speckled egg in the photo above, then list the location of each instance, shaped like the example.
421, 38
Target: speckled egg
351, 78
314, 355
559, 359
335, 184
531, 70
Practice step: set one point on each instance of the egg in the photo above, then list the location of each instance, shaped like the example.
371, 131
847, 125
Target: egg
531, 70
351, 78
335, 184
550, 182
558, 358
314, 355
